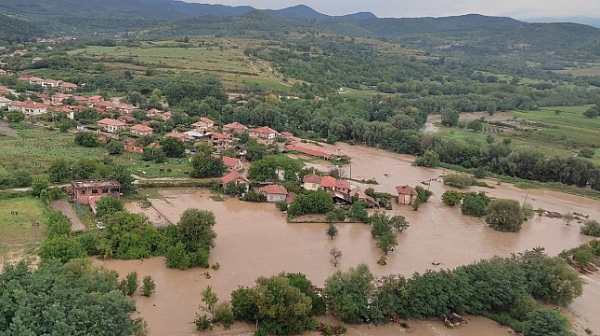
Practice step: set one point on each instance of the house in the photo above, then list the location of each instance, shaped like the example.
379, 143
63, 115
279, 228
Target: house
406, 195
126, 119
274, 193
125, 108
314, 182
234, 127
112, 125
82, 190
362, 197
180, 136
294, 147
264, 135
233, 164
50, 83
287, 136
105, 105
57, 99
141, 130
5, 103
132, 146
154, 145
166, 116
220, 141
30, 79
329, 183
66, 86
29, 108
311, 182
236, 178
81, 100
204, 125
95, 99
63, 109
153, 113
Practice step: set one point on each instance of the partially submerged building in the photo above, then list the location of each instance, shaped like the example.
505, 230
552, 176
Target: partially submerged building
82, 191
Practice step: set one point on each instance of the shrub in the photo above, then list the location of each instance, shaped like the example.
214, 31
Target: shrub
522, 306
423, 194
107, 206
587, 153
202, 323
148, 286
505, 215
61, 248
460, 181
429, 159
451, 197
475, 204
132, 283
358, 211
544, 322
336, 215
591, 228
223, 314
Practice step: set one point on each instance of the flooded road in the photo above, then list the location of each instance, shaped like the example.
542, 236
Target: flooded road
255, 240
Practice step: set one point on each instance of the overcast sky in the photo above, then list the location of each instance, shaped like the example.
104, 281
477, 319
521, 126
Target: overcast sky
520, 9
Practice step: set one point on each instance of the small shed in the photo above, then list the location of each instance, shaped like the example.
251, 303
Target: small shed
406, 195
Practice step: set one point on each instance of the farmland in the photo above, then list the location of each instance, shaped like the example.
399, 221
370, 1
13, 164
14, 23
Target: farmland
543, 130
201, 56
17, 232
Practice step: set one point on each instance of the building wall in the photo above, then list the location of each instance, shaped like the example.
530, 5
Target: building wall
82, 195
311, 186
275, 198
405, 199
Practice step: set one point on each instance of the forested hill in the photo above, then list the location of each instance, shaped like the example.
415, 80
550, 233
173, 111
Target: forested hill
15, 31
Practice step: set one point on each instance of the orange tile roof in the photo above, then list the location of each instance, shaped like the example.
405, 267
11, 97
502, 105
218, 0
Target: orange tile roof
265, 130
406, 190
112, 122
328, 182
236, 126
307, 151
141, 128
219, 135
29, 104
230, 162
233, 176
312, 178
274, 189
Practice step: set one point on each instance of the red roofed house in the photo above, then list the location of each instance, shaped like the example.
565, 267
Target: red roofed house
180, 136
132, 146
69, 87
31, 79
274, 193
312, 182
220, 141
103, 104
406, 195
50, 83
81, 100
29, 108
125, 108
141, 130
232, 164
112, 125
151, 113
236, 178
126, 119
5, 102
287, 135
292, 147
95, 99
234, 127
166, 116
264, 135
203, 125
57, 99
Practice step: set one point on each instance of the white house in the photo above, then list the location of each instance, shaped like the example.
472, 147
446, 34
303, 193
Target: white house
5, 102
29, 108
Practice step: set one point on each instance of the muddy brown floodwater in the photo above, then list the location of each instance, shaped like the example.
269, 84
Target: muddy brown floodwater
255, 240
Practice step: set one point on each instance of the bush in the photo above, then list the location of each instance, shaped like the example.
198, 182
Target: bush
475, 204
358, 211
115, 147
460, 181
108, 206
223, 314
317, 202
591, 228
423, 194
148, 287
253, 196
21, 178
202, 323
544, 322
336, 215
132, 283
429, 159
87, 139
451, 197
61, 248
505, 215
587, 153
522, 306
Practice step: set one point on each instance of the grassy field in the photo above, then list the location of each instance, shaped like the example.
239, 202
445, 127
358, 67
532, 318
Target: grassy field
16, 231
215, 56
35, 149
543, 130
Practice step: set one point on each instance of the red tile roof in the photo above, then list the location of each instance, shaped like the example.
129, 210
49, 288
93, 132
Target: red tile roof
235, 126
232, 177
312, 178
231, 162
307, 151
96, 97
274, 189
406, 190
341, 184
206, 120
155, 145
287, 135
219, 135
111, 122
328, 182
29, 104
265, 130
68, 85
141, 128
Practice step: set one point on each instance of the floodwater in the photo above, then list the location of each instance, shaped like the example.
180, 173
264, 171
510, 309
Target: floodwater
255, 240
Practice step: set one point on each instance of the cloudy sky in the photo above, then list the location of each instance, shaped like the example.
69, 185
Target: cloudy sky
520, 9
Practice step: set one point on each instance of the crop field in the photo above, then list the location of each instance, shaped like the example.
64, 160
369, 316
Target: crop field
17, 231
214, 56
35, 149
592, 70
543, 130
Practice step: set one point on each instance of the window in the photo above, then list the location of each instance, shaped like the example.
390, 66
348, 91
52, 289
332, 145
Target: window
82, 191
94, 191
105, 191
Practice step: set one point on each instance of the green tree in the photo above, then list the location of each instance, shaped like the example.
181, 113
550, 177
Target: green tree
451, 197
505, 215
450, 117
60, 170
587, 152
332, 231
58, 224
475, 204
21, 178
475, 126
207, 166
87, 139
114, 147
108, 206
544, 322
349, 293
123, 175
591, 228
148, 286
429, 159
173, 147
15, 117
39, 185
61, 248
132, 283
592, 112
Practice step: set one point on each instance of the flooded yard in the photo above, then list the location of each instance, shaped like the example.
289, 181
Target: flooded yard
255, 240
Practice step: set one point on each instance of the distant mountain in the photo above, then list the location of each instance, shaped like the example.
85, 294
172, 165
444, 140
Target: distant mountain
358, 16
299, 12
592, 21
15, 31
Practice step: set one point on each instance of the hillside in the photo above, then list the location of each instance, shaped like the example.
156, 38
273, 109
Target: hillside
15, 31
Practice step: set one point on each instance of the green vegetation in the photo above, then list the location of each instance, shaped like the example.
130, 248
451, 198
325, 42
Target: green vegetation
505, 215
591, 228
475, 204
452, 197
316, 202
148, 286
77, 294
19, 232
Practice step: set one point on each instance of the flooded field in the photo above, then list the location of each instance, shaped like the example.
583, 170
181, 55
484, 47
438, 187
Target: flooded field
255, 240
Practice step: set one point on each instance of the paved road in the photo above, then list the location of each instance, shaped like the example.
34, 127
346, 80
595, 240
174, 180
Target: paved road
67, 209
